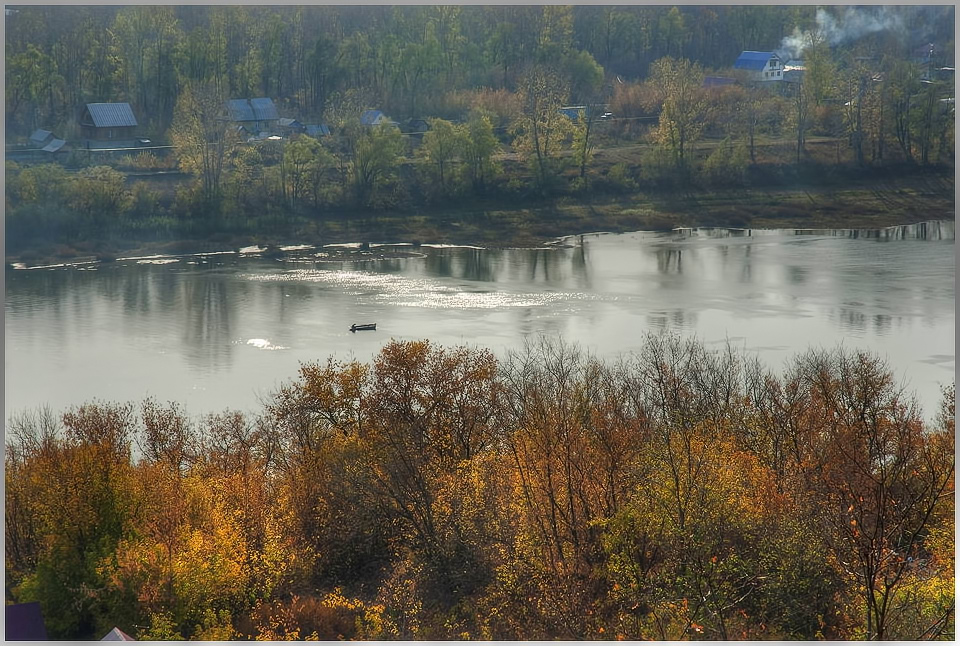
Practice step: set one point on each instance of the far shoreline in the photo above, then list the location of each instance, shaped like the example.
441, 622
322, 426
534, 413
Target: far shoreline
496, 223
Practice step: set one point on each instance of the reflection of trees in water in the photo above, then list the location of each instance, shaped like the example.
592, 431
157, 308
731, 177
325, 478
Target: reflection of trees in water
209, 306
546, 265
856, 320
552, 266
531, 325
882, 323
678, 318
797, 275
852, 319
669, 260
28, 288
135, 287
388, 266
579, 265
167, 288
440, 264
50, 303
478, 265
290, 298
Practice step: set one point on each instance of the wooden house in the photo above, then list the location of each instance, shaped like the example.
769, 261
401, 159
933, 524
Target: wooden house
108, 125
253, 115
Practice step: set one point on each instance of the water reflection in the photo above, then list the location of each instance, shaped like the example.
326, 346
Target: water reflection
670, 261
797, 275
677, 320
210, 310
777, 289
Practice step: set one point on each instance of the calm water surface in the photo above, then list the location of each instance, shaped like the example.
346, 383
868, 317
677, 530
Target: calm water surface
219, 331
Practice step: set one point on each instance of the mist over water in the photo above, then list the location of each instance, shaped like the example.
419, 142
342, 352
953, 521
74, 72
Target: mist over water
219, 331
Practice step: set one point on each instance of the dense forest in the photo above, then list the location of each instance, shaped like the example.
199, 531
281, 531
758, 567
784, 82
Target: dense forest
441, 493
407, 61
482, 84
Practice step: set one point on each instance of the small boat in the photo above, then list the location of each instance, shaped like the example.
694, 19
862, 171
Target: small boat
358, 327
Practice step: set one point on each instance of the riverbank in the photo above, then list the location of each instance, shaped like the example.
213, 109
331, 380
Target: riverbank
880, 199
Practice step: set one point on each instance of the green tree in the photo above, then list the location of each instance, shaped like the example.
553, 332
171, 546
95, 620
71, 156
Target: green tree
323, 71
585, 74
555, 35
25, 77
307, 163
672, 33
375, 154
503, 48
582, 144
442, 145
99, 192
421, 62
854, 84
480, 147
903, 84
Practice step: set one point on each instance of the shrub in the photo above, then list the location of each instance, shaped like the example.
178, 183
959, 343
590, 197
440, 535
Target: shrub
727, 164
658, 167
618, 178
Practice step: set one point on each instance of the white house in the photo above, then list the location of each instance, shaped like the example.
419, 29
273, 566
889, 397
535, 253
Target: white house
761, 66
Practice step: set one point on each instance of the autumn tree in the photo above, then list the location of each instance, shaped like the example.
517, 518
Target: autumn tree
84, 502
882, 478
542, 128
202, 137
678, 86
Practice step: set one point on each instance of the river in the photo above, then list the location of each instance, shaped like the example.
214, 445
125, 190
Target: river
220, 331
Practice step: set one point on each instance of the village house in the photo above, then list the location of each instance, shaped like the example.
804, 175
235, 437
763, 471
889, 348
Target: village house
40, 138
108, 125
287, 127
253, 115
793, 71
761, 67
317, 130
375, 118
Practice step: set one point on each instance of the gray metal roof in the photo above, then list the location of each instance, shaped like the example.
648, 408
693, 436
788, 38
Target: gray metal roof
261, 109
111, 115
54, 146
40, 135
264, 109
240, 110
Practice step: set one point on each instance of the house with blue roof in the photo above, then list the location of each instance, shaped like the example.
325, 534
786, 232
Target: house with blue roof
760, 66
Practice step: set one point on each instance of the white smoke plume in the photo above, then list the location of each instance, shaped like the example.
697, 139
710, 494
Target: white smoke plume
853, 23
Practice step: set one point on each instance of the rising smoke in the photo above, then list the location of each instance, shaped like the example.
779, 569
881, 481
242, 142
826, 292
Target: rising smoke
852, 23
